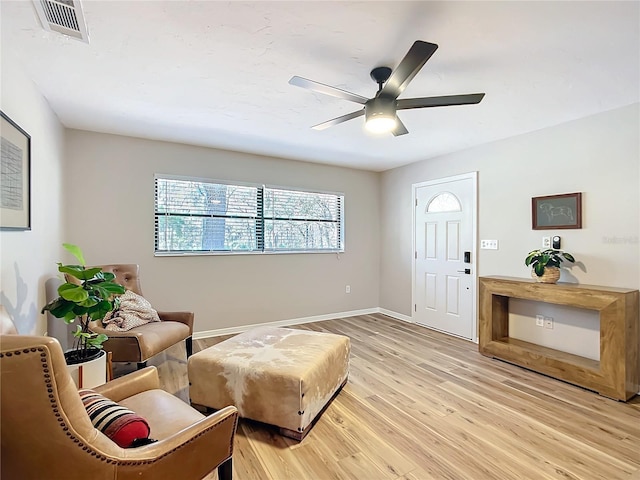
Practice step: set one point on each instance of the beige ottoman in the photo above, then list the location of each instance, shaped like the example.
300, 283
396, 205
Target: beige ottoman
280, 376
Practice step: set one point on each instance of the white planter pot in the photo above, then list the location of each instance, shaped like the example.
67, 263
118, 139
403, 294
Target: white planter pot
90, 374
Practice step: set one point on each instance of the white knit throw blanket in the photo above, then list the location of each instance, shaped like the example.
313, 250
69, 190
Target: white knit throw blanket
133, 311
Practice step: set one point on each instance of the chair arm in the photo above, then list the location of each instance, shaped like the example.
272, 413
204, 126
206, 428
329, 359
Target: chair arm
96, 327
130, 384
206, 441
182, 317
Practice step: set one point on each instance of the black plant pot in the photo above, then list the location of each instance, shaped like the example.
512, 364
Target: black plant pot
74, 357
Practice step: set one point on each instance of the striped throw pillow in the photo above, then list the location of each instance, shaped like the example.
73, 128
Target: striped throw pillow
121, 425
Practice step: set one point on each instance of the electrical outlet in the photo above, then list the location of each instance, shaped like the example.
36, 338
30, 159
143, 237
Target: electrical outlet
347, 289
539, 320
546, 242
548, 323
489, 244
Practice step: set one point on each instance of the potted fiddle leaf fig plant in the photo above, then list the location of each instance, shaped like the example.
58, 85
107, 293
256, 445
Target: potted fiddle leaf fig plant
545, 264
88, 294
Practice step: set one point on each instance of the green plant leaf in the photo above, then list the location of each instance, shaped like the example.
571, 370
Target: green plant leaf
108, 292
531, 257
58, 307
98, 277
100, 310
100, 291
90, 301
73, 270
569, 257
73, 293
108, 276
113, 288
78, 271
539, 269
97, 341
75, 251
90, 339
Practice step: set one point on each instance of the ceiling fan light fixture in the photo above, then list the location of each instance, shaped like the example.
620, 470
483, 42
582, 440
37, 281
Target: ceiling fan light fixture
380, 124
380, 115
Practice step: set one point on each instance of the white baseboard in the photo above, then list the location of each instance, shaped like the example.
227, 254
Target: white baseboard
396, 315
283, 323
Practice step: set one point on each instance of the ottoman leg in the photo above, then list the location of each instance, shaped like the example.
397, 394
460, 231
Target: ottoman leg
225, 470
189, 346
299, 436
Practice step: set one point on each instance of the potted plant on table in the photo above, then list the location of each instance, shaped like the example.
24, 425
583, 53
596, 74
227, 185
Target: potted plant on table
87, 295
545, 264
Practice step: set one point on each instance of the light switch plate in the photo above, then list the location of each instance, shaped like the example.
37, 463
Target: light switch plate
489, 244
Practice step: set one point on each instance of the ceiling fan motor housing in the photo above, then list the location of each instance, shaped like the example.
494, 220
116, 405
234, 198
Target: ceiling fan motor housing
380, 107
380, 114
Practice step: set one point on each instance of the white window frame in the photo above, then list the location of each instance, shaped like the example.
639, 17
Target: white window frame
260, 218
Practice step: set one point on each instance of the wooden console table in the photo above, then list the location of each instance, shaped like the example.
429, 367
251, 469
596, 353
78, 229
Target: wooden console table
616, 375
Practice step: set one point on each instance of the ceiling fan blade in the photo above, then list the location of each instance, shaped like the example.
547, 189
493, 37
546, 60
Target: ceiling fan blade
400, 128
336, 121
327, 90
443, 101
410, 65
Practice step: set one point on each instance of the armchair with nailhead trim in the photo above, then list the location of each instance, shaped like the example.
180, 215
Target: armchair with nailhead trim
46, 431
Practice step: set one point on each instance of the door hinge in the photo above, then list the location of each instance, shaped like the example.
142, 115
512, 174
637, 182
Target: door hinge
416, 255
415, 307
416, 202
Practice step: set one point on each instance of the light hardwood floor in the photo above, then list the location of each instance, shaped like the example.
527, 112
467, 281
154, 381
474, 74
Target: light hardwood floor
421, 405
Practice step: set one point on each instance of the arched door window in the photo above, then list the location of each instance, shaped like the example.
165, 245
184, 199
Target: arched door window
444, 202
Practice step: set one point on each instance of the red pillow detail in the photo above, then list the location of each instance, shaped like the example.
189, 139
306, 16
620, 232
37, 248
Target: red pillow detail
120, 424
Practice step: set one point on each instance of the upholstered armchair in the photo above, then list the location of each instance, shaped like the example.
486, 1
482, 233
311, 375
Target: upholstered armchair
141, 343
47, 433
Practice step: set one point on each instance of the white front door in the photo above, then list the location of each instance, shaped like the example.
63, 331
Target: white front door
444, 259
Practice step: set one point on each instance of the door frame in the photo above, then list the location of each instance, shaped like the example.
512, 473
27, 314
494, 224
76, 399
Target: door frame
474, 229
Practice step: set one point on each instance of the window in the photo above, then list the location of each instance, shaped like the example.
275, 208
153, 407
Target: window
204, 216
444, 202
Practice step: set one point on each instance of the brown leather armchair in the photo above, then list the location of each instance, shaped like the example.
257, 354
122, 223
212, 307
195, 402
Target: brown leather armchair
141, 343
46, 431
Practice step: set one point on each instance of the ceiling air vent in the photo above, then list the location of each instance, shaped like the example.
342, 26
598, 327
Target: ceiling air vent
62, 16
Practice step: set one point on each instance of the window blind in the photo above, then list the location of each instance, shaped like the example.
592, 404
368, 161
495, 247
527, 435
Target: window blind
200, 216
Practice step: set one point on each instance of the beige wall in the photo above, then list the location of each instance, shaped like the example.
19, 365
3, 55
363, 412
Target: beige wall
597, 155
29, 257
110, 215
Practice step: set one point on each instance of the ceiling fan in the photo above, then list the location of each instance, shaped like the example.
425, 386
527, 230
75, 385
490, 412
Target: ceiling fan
380, 111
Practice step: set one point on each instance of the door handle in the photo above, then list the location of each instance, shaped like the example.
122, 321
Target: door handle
466, 271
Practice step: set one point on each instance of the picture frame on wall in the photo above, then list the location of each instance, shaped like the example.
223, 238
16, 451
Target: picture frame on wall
15, 176
553, 212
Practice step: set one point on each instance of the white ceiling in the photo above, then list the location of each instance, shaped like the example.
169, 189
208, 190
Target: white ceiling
216, 73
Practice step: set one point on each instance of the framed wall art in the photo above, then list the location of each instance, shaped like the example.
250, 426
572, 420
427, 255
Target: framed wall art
15, 176
557, 211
